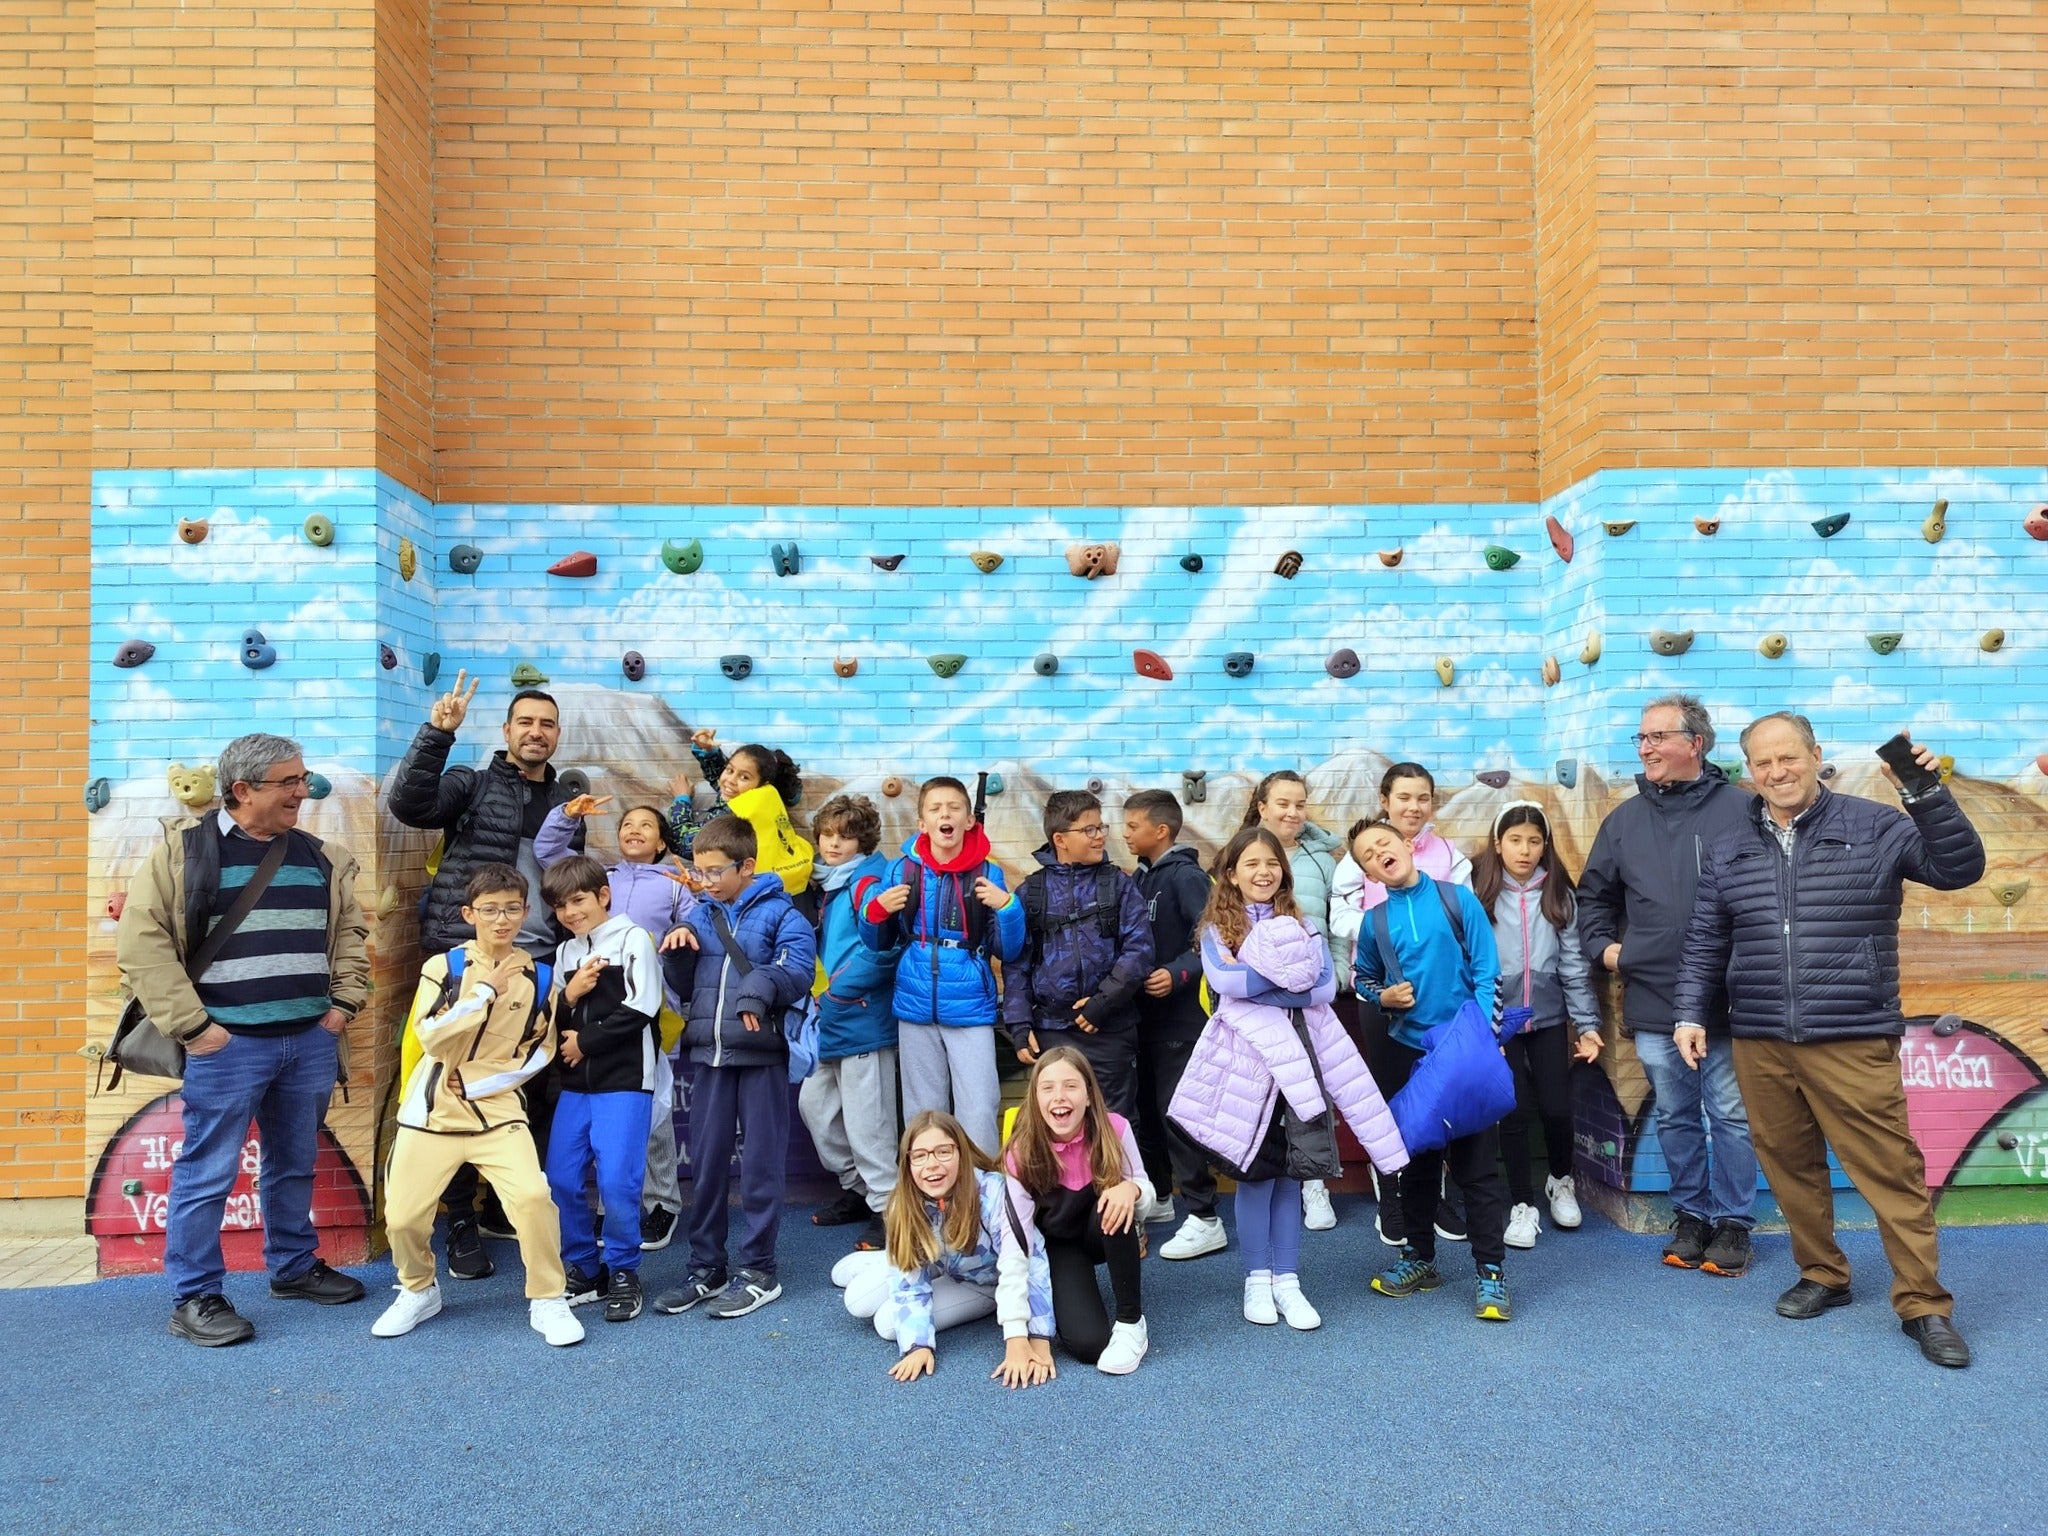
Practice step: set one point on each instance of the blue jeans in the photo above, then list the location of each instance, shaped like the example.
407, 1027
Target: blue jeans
1698, 1109
610, 1130
283, 1083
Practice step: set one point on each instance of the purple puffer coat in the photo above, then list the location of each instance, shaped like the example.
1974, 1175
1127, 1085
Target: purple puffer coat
1249, 1053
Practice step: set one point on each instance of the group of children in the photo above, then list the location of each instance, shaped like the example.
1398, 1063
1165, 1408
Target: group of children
1176, 1024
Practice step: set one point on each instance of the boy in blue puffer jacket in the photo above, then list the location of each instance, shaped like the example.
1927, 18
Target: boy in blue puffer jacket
1087, 952
749, 957
945, 904
849, 1102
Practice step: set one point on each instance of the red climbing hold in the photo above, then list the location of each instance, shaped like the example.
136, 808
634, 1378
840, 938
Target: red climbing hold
582, 563
2036, 522
1151, 664
1560, 541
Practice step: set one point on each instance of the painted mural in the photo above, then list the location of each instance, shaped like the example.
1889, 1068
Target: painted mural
1509, 647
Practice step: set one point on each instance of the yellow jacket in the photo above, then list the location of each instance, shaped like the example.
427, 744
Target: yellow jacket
781, 852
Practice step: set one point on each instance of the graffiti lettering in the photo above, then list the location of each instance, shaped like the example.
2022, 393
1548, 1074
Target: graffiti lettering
157, 1152
2032, 1152
1924, 1064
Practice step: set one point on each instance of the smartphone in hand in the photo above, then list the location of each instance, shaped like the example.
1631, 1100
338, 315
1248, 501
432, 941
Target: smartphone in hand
1898, 755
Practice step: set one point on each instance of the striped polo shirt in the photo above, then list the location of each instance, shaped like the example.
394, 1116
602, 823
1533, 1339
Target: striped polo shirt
270, 978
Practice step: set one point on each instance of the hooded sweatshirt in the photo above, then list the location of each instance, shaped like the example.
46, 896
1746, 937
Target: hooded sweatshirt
946, 944
1541, 967
1445, 974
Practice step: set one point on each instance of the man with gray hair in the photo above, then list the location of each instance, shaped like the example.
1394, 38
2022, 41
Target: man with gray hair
1635, 899
261, 1023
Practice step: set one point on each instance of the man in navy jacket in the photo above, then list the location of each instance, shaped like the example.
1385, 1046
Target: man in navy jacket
1798, 914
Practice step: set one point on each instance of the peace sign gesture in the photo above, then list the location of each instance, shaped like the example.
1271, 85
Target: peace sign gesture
453, 706
585, 805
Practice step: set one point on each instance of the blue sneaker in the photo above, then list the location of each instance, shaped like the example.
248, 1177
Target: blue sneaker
1409, 1274
1492, 1305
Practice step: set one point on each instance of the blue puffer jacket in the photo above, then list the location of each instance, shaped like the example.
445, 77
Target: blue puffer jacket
856, 1014
1809, 945
942, 979
774, 936
1073, 957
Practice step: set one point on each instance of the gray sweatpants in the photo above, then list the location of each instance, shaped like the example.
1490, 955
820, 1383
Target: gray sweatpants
849, 1107
661, 1187
953, 1068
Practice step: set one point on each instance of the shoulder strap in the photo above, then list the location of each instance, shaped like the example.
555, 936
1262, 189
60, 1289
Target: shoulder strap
1032, 894
1452, 910
1108, 909
1383, 939
218, 935
457, 958
732, 945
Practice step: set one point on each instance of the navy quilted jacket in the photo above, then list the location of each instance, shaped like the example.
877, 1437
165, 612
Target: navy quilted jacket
1809, 944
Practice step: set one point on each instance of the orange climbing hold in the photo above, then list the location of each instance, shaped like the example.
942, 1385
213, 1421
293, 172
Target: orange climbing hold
1151, 664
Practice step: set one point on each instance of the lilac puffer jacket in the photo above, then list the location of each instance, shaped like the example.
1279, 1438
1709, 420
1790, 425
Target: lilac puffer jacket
1249, 1053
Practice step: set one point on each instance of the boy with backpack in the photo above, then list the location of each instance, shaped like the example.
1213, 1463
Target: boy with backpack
479, 1028
1086, 954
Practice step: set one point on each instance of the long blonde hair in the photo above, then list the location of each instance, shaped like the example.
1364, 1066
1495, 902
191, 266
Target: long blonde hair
1226, 911
912, 1241
1032, 1159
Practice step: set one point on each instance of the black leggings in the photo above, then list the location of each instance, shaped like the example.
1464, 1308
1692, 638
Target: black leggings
1542, 1062
1074, 1244
1473, 1163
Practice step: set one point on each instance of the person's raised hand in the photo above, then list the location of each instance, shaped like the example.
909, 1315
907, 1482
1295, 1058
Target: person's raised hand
452, 708
500, 973
1926, 757
705, 738
894, 899
991, 895
585, 805
579, 985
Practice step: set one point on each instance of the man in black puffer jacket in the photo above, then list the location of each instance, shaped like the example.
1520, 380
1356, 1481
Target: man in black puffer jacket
1798, 914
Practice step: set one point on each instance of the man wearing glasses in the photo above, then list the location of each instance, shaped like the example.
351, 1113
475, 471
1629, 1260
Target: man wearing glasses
1635, 899
261, 1024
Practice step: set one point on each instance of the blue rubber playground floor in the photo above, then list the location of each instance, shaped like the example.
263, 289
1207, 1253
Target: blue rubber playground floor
1625, 1397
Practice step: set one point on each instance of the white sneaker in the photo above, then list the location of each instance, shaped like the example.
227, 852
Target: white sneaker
1258, 1298
1126, 1347
405, 1314
1293, 1305
1564, 1202
1523, 1226
1160, 1209
1317, 1214
1197, 1235
551, 1318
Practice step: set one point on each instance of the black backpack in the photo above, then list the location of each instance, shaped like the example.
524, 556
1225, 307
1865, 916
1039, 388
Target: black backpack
1383, 933
975, 924
1105, 909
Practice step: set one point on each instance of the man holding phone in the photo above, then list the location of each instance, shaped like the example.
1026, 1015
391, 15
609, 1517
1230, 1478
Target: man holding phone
1798, 913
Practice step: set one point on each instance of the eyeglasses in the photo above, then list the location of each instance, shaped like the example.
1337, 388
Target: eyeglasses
925, 1156
714, 871
1658, 738
290, 781
498, 914
1098, 830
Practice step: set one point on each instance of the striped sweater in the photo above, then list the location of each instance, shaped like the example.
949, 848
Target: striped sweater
270, 978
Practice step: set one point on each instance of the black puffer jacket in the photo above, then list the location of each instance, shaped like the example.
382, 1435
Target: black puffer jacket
480, 812
1638, 887
1809, 945
1175, 892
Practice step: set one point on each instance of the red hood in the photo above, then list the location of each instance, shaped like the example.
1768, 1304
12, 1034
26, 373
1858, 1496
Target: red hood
973, 853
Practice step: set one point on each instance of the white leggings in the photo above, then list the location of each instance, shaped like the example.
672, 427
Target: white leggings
867, 1279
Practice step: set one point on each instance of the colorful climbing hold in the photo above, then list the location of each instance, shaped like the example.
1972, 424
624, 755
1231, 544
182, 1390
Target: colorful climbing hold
1670, 642
1446, 670
2009, 894
1551, 672
737, 666
1089, 561
133, 653
1151, 664
117, 904
1830, 525
319, 530
1707, 526
682, 559
946, 663
1045, 664
99, 794
891, 787
387, 903
318, 786
463, 559
1885, 641
1095, 786
257, 654
527, 675
1238, 663
1772, 645
1191, 563
408, 559
1568, 772
2036, 522
1391, 557
1992, 640
1194, 786
2041, 761
986, 561
1342, 663
845, 666
885, 562
1617, 528
430, 667
582, 563
787, 559
193, 788
1947, 764
1289, 565
1500, 558
993, 784
1589, 653
387, 658
634, 665
1936, 524
1732, 767
192, 529
1493, 778
1560, 540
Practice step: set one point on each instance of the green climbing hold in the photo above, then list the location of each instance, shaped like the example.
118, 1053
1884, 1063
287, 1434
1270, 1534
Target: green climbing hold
1732, 767
994, 786
786, 558
527, 675
430, 667
318, 786
1500, 558
1885, 641
1827, 527
946, 663
319, 530
683, 559
1192, 564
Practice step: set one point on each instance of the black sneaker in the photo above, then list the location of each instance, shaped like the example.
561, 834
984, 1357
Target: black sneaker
329, 1287
622, 1299
1688, 1245
583, 1289
751, 1290
874, 1237
211, 1321
466, 1257
1450, 1222
1728, 1251
656, 1228
698, 1286
491, 1219
843, 1212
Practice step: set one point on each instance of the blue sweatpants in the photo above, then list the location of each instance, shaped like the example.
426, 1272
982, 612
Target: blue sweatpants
610, 1130
724, 1103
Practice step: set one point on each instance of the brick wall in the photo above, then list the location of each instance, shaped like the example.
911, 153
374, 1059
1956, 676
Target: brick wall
405, 244
1569, 384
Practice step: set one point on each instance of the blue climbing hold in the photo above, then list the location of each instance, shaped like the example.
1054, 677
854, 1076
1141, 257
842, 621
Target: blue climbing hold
98, 795
1045, 664
1192, 564
318, 786
736, 667
430, 667
1568, 772
1238, 663
257, 653
463, 559
787, 561
994, 785
1827, 527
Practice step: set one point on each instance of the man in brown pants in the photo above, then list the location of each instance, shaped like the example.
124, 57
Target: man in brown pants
1798, 916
